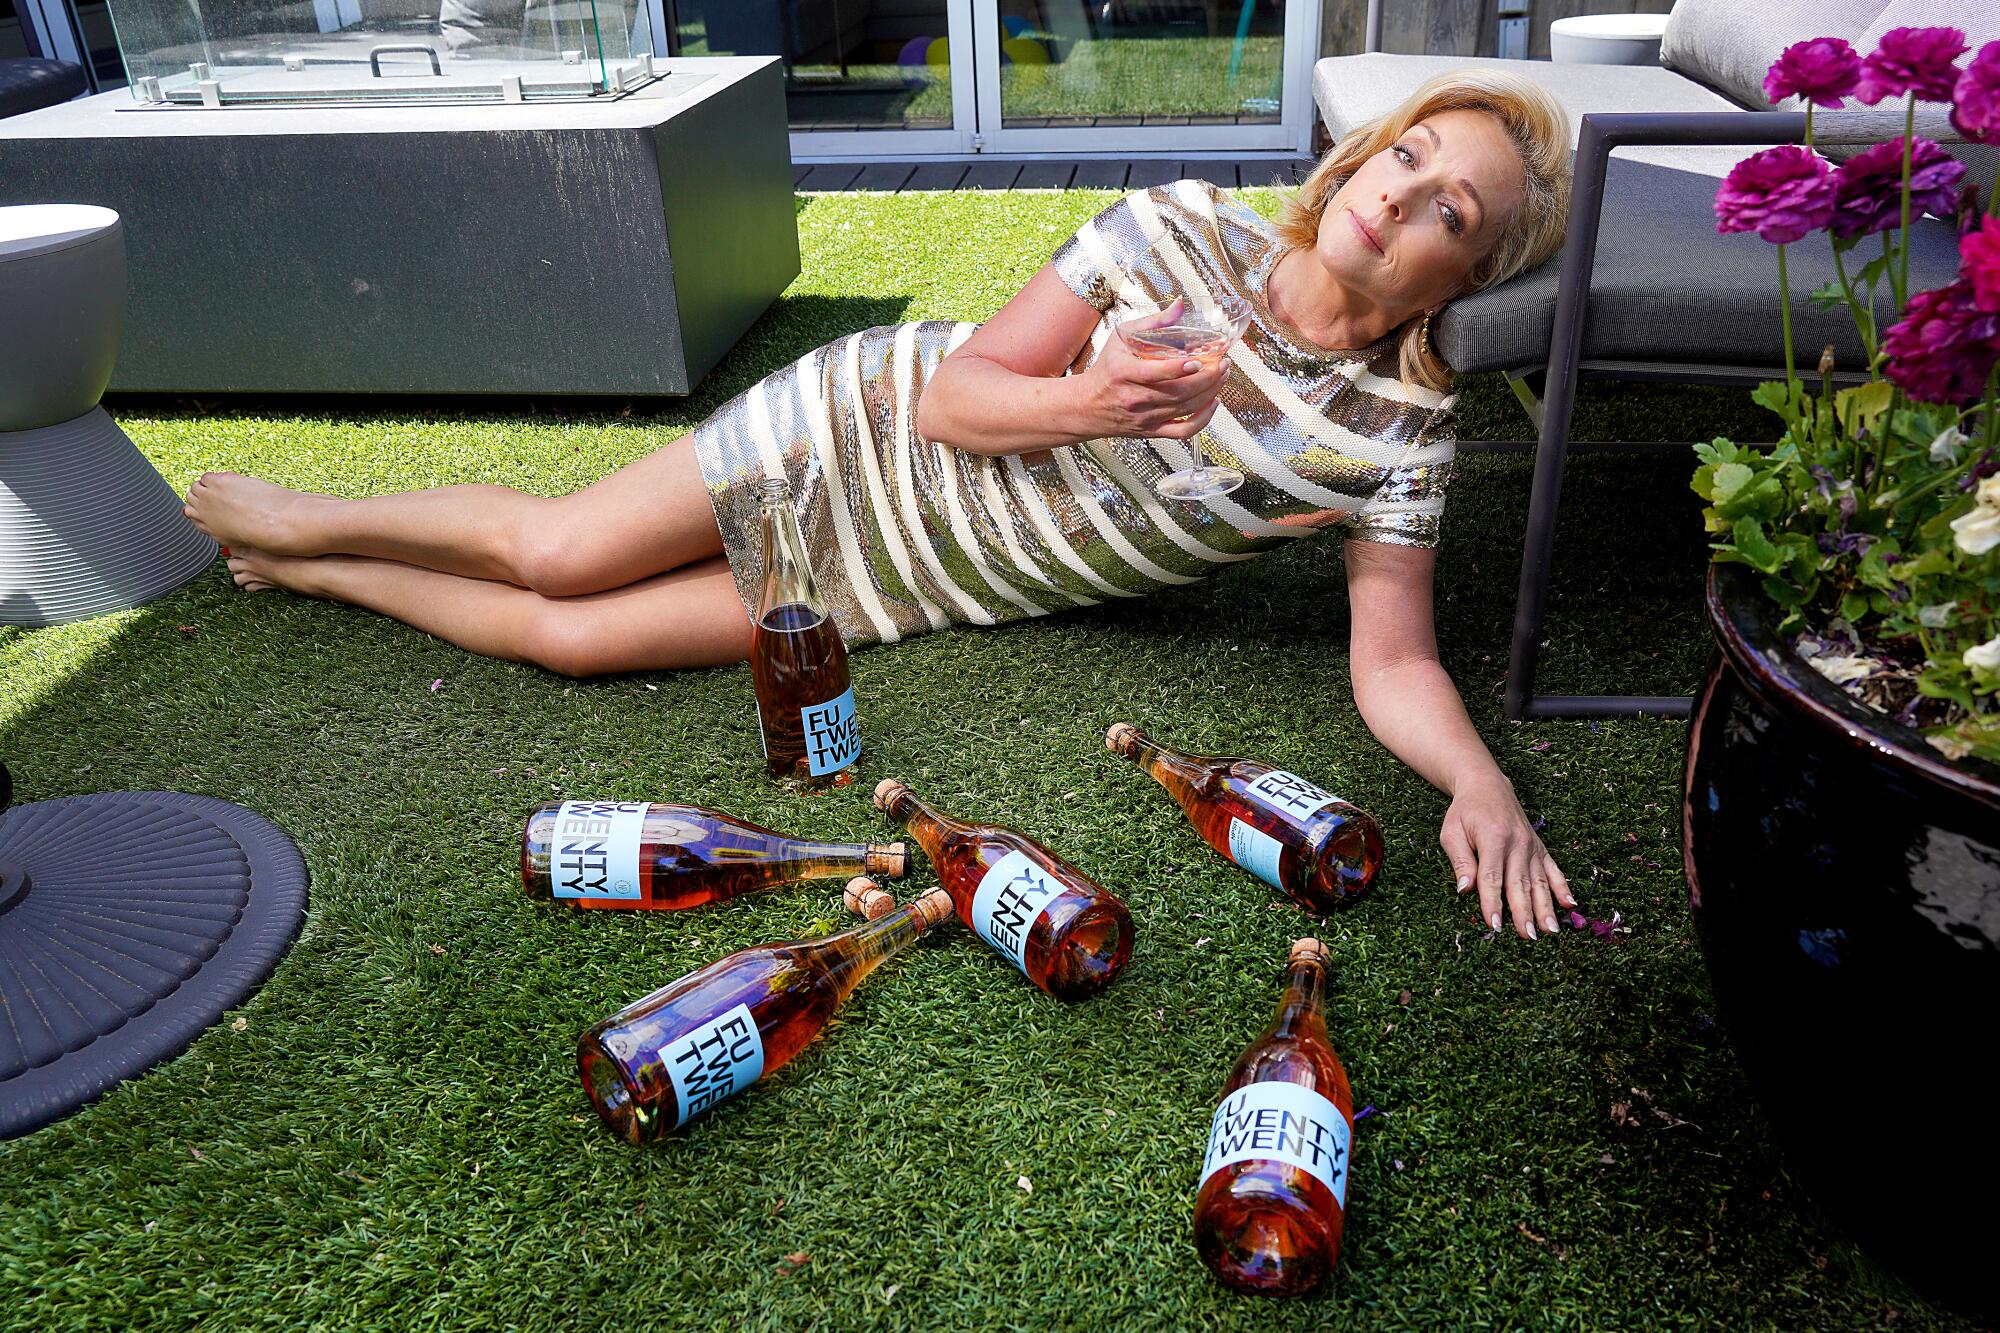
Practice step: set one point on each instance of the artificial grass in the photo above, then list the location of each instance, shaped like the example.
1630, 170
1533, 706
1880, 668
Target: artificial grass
391, 1135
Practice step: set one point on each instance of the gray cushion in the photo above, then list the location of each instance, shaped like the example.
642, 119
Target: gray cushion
1730, 44
1352, 90
1666, 288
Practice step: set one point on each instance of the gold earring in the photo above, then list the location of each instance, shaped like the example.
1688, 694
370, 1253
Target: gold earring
1424, 334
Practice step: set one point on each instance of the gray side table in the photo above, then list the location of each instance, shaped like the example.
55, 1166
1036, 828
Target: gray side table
86, 525
614, 245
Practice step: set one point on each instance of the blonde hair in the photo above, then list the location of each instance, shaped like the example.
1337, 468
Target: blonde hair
1537, 126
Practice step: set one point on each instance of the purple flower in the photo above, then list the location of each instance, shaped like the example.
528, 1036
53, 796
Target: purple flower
1868, 187
1912, 60
1975, 111
1943, 347
1823, 71
1781, 194
1979, 263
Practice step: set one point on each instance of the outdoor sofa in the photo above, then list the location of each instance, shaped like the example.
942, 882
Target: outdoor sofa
1643, 288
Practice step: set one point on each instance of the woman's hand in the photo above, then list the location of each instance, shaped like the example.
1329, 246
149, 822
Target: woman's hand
1138, 398
1495, 849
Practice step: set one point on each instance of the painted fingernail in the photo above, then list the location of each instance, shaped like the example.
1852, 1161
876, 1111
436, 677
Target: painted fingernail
1464, 883
1531, 931
1496, 921
1549, 924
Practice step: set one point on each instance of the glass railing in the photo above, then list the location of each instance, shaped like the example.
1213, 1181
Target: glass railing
262, 52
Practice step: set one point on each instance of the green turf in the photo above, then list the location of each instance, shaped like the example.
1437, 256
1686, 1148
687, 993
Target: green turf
393, 1138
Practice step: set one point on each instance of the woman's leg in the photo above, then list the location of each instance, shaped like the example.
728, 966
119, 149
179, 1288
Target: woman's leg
691, 617
650, 516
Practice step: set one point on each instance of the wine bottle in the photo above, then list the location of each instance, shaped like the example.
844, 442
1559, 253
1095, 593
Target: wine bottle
798, 663
657, 1064
654, 854
1301, 840
1271, 1207
1071, 937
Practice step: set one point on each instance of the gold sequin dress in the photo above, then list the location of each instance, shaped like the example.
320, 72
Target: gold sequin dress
909, 534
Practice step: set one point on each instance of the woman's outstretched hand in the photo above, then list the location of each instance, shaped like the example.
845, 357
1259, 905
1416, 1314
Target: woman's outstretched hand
1140, 398
1494, 849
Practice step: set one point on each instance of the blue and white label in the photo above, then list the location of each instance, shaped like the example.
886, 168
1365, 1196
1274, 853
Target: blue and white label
1281, 1122
1256, 851
594, 850
1013, 894
832, 734
718, 1059
1290, 795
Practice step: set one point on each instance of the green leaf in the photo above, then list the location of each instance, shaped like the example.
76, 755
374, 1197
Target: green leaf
1780, 397
1854, 606
1755, 548
1783, 593
1861, 406
1730, 478
1872, 271
1939, 523
1829, 297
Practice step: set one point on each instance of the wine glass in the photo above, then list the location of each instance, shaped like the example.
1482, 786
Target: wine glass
1203, 331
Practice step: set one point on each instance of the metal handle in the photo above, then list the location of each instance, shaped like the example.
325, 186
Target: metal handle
413, 49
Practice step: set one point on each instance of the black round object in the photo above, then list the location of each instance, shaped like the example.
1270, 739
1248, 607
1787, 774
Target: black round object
1845, 882
129, 922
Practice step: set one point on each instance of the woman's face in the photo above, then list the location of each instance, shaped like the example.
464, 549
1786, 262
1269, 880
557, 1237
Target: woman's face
1412, 220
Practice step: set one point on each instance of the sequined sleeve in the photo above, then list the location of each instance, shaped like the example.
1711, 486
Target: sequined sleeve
1405, 510
1093, 262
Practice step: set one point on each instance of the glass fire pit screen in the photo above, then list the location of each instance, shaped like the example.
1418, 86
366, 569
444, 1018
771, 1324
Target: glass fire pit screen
260, 52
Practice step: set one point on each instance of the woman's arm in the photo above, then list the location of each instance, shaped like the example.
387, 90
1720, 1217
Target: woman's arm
1411, 705
1004, 391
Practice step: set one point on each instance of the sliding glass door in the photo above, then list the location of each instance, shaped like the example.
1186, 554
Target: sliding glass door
908, 78
1144, 75
863, 78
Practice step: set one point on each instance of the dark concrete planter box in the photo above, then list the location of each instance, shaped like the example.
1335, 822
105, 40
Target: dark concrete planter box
618, 245
1845, 883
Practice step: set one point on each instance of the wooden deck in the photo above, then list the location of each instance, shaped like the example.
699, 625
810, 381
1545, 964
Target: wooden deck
895, 177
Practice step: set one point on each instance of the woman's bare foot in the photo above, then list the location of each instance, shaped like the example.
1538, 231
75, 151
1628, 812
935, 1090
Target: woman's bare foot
241, 511
261, 571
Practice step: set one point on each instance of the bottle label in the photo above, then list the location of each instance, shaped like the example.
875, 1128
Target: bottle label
594, 853
718, 1059
1012, 895
1281, 1122
1290, 795
1256, 851
832, 734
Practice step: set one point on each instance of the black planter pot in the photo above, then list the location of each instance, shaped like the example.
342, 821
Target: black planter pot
1845, 882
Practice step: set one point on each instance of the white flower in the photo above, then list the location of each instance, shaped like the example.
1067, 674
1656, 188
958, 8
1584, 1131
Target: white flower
1937, 615
1986, 657
1978, 531
1944, 449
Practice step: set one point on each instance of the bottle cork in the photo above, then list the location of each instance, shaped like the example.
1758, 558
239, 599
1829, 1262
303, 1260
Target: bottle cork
1120, 737
1308, 950
886, 791
864, 897
935, 905
892, 860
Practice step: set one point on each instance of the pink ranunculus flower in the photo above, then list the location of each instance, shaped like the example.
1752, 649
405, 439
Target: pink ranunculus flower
1781, 194
1868, 187
1979, 262
1944, 346
1912, 60
1975, 110
1823, 71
